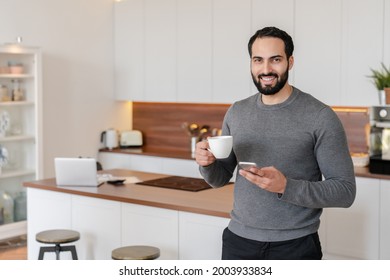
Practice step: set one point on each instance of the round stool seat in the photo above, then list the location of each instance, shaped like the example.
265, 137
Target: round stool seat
57, 236
136, 253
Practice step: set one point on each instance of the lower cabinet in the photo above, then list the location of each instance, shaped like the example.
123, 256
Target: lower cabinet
46, 210
200, 236
144, 225
355, 232
384, 237
169, 166
98, 222
105, 225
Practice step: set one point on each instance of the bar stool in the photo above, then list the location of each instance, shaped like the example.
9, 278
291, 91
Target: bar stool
135, 253
57, 237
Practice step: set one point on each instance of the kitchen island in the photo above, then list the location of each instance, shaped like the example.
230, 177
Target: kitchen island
183, 224
188, 225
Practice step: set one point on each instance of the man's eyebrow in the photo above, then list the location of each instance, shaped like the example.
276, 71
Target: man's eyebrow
272, 57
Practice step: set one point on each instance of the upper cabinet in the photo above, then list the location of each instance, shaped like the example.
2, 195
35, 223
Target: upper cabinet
196, 50
129, 33
20, 130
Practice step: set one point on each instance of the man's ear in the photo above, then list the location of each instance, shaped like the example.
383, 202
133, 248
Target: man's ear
290, 62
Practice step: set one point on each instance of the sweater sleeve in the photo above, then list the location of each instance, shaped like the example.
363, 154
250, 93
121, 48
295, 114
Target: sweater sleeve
338, 189
220, 172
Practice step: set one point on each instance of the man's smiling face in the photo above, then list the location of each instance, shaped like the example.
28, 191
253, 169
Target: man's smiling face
269, 65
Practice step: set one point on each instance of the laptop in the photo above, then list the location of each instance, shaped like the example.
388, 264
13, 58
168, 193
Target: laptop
76, 172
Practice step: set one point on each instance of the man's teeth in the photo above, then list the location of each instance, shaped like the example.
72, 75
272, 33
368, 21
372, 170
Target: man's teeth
267, 78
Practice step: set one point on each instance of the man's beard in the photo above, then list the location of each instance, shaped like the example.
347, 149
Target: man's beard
271, 90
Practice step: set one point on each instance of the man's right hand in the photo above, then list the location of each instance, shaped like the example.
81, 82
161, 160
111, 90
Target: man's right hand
202, 155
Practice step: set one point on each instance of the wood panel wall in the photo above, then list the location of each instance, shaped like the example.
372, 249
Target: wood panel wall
161, 123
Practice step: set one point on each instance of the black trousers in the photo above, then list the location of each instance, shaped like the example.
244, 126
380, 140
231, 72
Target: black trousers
238, 248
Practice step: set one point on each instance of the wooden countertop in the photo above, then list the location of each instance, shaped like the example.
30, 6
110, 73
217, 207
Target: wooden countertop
214, 202
364, 172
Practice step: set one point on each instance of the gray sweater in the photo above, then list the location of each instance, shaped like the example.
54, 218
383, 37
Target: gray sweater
305, 140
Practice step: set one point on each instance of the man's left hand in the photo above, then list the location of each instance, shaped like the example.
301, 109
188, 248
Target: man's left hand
268, 178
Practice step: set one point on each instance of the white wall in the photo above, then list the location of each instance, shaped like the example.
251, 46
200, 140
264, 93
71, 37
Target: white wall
76, 41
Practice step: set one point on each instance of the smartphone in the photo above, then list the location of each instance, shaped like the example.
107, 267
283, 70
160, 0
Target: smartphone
246, 165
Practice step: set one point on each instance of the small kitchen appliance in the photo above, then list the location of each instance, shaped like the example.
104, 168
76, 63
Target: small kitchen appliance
380, 140
109, 138
131, 138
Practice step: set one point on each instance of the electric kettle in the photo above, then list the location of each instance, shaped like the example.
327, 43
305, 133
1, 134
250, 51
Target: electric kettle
109, 138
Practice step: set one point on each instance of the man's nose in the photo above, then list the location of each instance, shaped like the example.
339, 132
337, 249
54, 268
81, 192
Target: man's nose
267, 67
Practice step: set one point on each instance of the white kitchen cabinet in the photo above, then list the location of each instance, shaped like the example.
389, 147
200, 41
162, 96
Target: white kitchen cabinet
129, 161
180, 51
231, 31
98, 221
47, 210
315, 35
114, 160
384, 230
160, 50
361, 17
194, 51
129, 44
146, 163
353, 233
145, 225
145, 50
200, 236
386, 47
20, 125
181, 167
169, 166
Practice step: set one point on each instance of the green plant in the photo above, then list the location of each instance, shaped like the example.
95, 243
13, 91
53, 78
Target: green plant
381, 77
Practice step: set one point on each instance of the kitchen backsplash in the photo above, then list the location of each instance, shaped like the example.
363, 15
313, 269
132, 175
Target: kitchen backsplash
162, 123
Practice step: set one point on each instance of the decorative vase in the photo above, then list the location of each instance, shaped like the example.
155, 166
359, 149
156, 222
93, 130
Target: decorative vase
20, 207
382, 97
4, 123
387, 95
6, 207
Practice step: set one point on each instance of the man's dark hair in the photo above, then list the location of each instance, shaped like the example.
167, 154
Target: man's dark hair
275, 33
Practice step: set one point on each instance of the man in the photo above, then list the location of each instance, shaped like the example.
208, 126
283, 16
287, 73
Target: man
295, 141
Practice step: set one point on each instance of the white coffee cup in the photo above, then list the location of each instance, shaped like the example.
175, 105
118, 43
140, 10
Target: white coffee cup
221, 146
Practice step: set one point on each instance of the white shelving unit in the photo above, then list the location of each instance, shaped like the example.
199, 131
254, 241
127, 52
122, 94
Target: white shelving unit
22, 139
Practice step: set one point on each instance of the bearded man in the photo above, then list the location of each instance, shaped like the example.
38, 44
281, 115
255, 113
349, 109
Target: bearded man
301, 154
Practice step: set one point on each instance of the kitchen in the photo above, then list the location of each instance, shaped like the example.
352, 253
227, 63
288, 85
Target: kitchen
81, 85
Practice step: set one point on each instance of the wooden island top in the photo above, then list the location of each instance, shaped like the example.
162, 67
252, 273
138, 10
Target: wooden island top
214, 202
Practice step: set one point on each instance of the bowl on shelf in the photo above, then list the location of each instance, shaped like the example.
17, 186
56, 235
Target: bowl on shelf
16, 69
4, 70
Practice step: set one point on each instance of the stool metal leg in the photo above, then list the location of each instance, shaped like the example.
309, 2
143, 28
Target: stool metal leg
41, 253
44, 250
71, 249
57, 249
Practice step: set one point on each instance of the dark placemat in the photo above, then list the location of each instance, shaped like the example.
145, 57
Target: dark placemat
178, 182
